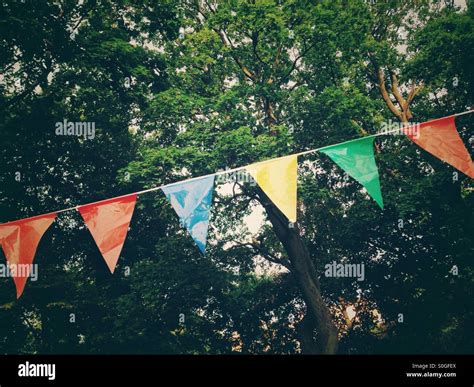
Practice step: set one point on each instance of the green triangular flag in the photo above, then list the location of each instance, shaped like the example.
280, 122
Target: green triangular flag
356, 157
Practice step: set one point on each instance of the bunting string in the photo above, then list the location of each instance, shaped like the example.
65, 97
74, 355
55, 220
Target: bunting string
302, 153
108, 220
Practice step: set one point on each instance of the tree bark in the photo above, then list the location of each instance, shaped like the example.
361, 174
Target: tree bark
318, 318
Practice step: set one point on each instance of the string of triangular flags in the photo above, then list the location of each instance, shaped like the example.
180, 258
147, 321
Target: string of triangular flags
108, 220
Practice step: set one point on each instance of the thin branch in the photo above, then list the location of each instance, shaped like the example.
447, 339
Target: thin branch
228, 43
209, 6
386, 97
258, 250
413, 92
396, 90
254, 38
295, 64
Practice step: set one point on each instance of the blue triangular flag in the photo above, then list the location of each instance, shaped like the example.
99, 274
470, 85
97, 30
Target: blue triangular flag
192, 202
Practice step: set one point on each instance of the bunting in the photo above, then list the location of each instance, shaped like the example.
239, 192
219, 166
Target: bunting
357, 159
19, 241
108, 222
277, 178
441, 139
192, 202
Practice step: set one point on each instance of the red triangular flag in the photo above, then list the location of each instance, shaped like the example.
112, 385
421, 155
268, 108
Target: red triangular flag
108, 222
441, 139
19, 240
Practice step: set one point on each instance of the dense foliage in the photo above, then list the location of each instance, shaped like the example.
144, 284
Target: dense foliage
184, 88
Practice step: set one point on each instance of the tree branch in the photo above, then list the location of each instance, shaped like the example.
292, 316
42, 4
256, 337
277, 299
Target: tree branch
259, 250
385, 95
227, 42
396, 91
295, 63
254, 38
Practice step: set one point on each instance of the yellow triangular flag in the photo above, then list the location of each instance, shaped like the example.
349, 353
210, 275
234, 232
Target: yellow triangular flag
277, 178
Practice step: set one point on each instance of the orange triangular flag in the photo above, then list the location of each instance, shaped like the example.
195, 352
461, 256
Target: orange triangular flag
108, 222
441, 139
19, 240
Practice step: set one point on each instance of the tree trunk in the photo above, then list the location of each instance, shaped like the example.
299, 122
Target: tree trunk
318, 318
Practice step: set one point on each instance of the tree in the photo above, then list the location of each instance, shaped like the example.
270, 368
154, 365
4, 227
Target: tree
182, 89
